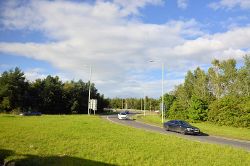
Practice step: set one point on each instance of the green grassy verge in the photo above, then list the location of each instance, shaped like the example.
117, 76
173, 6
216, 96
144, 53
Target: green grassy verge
211, 129
91, 140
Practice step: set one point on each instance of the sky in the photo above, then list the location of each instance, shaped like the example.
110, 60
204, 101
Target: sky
119, 39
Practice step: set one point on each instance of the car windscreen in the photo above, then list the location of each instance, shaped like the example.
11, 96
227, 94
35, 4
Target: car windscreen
184, 123
123, 113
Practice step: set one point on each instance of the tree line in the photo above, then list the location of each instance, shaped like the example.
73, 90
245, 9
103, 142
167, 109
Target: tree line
49, 95
219, 95
134, 103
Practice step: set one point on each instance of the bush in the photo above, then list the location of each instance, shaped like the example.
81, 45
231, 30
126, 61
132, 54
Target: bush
230, 111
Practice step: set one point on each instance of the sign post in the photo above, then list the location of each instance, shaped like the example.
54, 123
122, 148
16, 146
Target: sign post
93, 105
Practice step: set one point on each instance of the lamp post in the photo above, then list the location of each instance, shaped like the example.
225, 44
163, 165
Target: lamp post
141, 104
144, 103
90, 74
162, 91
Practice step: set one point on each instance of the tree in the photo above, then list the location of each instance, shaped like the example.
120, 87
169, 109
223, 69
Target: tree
177, 111
13, 90
49, 93
243, 79
189, 85
182, 96
200, 85
229, 77
215, 85
168, 101
198, 109
222, 78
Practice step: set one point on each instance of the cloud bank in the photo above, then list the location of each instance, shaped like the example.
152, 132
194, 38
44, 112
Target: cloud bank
109, 36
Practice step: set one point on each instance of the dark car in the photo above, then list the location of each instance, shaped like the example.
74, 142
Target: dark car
181, 126
126, 112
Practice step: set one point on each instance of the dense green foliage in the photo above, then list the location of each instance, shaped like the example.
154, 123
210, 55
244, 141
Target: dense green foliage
221, 96
90, 140
231, 111
134, 103
49, 95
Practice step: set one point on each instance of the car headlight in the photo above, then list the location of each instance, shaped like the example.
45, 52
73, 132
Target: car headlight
189, 129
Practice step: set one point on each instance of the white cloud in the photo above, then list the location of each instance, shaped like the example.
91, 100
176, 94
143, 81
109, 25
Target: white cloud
230, 4
117, 46
183, 4
33, 74
131, 6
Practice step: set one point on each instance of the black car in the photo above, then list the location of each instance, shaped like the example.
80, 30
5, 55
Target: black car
181, 127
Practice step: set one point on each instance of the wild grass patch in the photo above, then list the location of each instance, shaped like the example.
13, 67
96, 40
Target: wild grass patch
90, 140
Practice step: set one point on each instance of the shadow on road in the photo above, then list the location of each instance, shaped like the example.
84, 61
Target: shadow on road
203, 134
27, 159
195, 135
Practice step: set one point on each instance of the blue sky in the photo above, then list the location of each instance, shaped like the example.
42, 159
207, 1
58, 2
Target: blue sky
118, 39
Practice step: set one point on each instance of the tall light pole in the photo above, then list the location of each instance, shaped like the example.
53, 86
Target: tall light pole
90, 74
141, 104
162, 91
144, 103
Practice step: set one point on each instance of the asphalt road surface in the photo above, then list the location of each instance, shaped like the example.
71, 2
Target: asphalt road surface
202, 138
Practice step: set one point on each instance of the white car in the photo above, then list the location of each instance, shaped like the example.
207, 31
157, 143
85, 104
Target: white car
122, 115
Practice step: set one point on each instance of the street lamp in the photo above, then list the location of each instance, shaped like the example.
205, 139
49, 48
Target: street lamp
144, 103
90, 74
162, 94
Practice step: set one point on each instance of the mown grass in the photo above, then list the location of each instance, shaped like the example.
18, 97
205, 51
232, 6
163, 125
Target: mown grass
211, 129
91, 140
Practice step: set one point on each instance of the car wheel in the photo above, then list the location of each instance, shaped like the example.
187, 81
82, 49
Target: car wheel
167, 128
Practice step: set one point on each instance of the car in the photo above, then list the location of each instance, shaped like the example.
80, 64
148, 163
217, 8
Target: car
122, 115
31, 114
181, 126
127, 112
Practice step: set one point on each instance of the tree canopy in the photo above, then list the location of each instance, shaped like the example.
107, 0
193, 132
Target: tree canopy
48, 96
220, 95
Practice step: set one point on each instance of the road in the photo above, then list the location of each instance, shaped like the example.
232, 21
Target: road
203, 138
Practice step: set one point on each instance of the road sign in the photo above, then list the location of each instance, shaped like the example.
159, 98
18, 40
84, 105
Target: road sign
93, 104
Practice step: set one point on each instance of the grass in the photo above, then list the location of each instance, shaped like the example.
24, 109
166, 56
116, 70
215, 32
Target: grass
91, 140
211, 129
